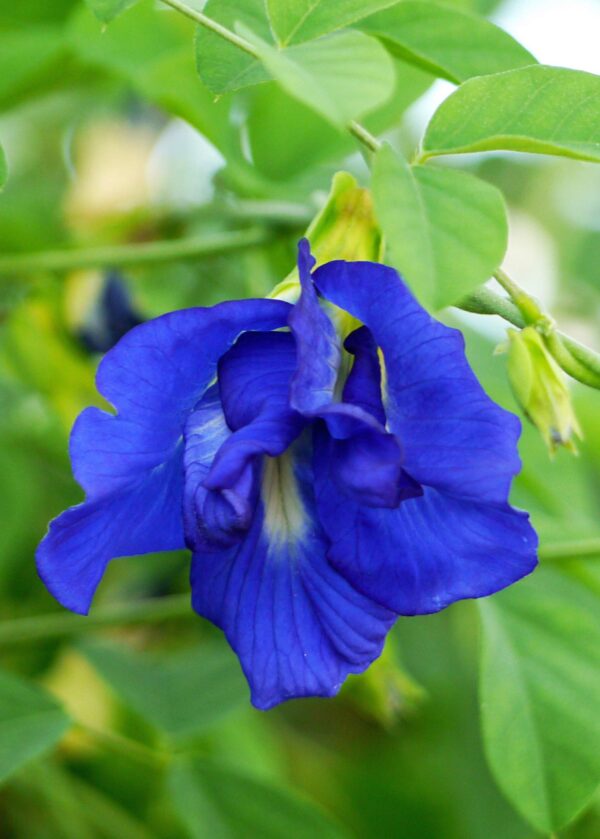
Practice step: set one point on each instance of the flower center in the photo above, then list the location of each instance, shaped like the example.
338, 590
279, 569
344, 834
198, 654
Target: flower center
285, 516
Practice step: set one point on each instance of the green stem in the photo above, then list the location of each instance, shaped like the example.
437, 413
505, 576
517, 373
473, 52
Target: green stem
277, 213
522, 300
65, 624
132, 254
364, 136
487, 302
578, 549
209, 23
177, 606
569, 363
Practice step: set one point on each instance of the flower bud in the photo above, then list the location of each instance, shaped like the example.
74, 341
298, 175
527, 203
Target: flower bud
345, 228
540, 388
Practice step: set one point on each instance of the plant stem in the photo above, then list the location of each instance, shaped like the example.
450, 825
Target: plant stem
579, 549
569, 363
209, 23
484, 301
132, 254
177, 606
522, 300
364, 136
65, 624
277, 213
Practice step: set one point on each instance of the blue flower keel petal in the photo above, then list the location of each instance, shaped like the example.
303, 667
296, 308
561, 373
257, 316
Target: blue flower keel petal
298, 627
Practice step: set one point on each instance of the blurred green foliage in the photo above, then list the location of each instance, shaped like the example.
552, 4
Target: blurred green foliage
146, 731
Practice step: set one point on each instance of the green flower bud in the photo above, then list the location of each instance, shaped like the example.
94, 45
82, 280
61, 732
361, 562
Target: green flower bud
540, 388
345, 228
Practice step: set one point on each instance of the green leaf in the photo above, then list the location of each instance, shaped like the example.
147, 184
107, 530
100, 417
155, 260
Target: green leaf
26, 55
181, 695
341, 77
293, 21
223, 803
3, 168
445, 41
31, 722
546, 110
540, 693
133, 43
222, 66
446, 231
107, 10
287, 137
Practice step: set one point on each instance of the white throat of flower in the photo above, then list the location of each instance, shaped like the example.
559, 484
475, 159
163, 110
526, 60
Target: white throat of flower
285, 517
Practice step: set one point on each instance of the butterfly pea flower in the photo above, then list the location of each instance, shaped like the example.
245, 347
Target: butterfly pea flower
323, 489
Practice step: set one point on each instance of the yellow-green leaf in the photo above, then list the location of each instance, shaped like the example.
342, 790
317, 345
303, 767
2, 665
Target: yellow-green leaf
341, 76
540, 694
446, 231
446, 42
540, 109
294, 21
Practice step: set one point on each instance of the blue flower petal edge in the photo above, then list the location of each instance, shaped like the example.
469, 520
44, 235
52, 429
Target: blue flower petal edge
324, 483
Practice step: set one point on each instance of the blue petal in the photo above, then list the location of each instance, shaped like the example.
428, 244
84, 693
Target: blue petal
368, 465
248, 415
73, 556
154, 376
368, 468
298, 627
369, 460
212, 518
254, 382
254, 376
316, 343
131, 464
363, 385
427, 553
453, 436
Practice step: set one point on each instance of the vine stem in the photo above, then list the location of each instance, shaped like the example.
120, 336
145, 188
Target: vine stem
522, 300
64, 624
579, 549
132, 254
209, 23
364, 136
177, 606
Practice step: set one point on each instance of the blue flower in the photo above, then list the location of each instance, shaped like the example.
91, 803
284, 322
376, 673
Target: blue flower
319, 504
